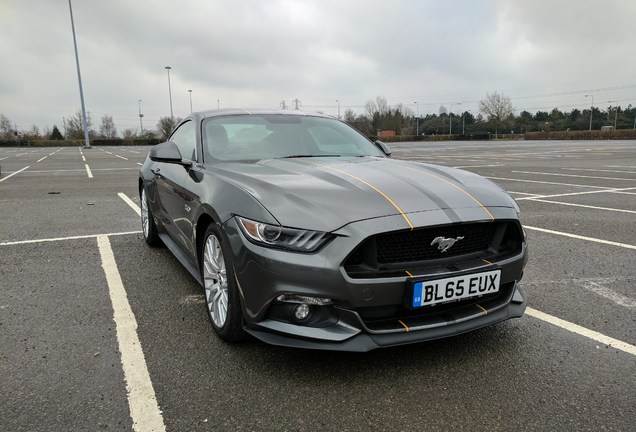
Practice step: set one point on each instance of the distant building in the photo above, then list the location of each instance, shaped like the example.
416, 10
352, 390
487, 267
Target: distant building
607, 128
386, 134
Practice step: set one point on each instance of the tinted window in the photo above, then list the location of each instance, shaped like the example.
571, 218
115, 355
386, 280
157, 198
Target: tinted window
253, 137
184, 138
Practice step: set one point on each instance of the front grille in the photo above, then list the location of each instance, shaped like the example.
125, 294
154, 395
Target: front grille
409, 246
393, 252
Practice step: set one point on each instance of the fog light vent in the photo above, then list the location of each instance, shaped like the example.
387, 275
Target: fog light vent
292, 298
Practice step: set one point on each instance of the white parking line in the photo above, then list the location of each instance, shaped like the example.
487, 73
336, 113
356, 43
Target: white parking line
88, 171
621, 166
41, 159
47, 240
575, 328
13, 173
478, 166
621, 190
546, 182
576, 236
142, 401
574, 175
130, 202
581, 205
83, 158
599, 170
121, 157
603, 291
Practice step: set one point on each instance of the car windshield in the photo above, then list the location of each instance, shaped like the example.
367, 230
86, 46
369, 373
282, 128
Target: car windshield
255, 137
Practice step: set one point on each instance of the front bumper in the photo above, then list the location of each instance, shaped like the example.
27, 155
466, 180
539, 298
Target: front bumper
360, 341
263, 274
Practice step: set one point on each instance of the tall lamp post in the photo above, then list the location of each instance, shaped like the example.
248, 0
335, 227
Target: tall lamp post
338, 102
417, 119
450, 118
591, 110
141, 125
79, 79
190, 91
170, 92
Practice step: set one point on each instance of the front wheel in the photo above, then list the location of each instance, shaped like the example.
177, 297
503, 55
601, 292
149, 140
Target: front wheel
221, 296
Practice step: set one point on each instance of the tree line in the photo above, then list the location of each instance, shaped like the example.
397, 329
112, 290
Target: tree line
496, 115
73, 129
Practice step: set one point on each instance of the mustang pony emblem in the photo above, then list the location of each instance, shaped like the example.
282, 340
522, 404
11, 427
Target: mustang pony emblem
445, 244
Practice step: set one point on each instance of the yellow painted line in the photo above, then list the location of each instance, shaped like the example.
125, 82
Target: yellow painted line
372, 187
487, 262
408, 273
456, 187
485, 311
405, 326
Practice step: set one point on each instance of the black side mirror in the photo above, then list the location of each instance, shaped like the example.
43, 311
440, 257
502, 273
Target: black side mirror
168, 152
383, 147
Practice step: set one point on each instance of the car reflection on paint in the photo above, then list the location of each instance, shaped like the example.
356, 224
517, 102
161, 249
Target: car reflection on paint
304, 233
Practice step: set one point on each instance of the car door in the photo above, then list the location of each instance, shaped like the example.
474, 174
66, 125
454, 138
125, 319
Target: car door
172, 186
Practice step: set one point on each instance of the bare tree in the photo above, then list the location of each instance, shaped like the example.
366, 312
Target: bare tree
74, 127
166, 125
379, 106
129, 133
6, 128
108, 129
349, 116
496, 108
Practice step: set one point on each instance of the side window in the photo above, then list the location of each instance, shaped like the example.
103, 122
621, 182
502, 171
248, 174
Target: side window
184, 138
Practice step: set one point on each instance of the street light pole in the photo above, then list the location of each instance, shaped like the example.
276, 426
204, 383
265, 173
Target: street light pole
141, 125
338, 101
190, 91
417, 119
87, 143
170, 92
591, 110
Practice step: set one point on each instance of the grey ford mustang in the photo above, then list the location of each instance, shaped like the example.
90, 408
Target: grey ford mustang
304, 233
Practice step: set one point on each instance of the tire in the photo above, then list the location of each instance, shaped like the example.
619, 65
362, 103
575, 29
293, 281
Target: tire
222, 302
148, 226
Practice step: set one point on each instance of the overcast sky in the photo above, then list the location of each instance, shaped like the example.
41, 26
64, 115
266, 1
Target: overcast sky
257, 53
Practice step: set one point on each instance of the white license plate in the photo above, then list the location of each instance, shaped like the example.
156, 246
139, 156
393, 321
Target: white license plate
455, 288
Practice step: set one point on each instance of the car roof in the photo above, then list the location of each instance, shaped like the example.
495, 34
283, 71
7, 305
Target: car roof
259, 111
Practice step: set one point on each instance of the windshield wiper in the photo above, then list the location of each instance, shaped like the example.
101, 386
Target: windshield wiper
308, 156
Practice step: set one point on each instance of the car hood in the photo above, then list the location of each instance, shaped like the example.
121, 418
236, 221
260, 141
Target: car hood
327, 193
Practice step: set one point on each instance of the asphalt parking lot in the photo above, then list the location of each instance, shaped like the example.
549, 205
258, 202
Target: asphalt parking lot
99, 331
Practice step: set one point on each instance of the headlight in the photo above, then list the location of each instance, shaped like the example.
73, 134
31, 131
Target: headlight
274, 236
